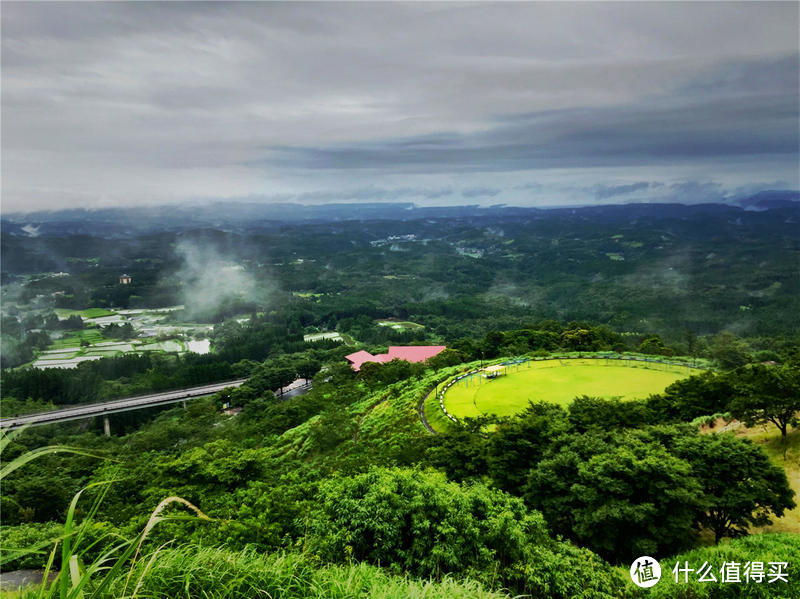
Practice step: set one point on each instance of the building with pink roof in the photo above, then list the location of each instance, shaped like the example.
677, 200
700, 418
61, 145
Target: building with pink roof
410, 353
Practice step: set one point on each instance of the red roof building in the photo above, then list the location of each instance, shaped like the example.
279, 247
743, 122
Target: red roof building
411, 353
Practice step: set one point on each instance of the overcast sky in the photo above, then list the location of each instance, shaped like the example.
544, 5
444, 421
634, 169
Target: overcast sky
436, 103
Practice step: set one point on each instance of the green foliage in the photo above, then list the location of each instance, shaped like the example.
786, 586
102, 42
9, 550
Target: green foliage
14, 407
518, 443
767, 394
448, 357
326, 474
461, 452
26, 536
699, 395
582, 339
116, 331
729, 351
190, 571
620, 495
595, 413
654, 346
390, 372
417, 522
741, 486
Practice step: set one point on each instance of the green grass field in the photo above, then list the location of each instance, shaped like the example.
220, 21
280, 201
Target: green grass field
400, 325
88, 313
559, 382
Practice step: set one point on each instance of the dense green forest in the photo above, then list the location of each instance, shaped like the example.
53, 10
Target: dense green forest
347, 474
343, 491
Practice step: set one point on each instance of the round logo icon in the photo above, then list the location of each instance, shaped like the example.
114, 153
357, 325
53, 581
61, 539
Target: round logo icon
645, 571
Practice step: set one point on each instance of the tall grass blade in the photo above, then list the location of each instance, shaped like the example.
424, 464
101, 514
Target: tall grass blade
7, 437
46, 574
29, 456
75, 577
155, 518
147, 569
9, 554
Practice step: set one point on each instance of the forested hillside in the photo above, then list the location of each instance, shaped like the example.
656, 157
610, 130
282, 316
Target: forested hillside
363, 486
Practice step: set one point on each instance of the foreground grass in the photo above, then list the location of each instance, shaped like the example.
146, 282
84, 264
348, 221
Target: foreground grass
190, 571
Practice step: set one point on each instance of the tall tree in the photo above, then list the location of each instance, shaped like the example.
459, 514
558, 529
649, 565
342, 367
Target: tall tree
622, 497
741, 486
765, 394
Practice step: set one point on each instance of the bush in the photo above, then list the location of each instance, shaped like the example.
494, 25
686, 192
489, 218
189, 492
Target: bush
44, 534
417, 522
420, 523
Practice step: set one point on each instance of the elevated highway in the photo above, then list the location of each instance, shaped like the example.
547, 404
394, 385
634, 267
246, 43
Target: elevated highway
117, 405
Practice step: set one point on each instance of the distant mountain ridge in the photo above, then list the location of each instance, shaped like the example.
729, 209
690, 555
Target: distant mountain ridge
128, 221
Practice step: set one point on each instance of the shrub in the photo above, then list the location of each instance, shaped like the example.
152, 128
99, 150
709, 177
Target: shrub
417, 522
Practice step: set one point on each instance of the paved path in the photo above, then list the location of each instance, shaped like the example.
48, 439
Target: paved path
13, 581
421, 410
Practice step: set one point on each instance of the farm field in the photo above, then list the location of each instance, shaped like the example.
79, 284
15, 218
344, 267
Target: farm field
317, 336
166, 346
151, 334
88, 313
73, 340
558, 382
400, 325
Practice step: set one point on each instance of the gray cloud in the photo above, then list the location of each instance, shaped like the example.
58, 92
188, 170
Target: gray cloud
158, 102
656, 132
480, 192
609, 191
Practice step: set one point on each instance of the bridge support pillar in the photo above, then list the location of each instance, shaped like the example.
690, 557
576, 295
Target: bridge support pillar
106, 426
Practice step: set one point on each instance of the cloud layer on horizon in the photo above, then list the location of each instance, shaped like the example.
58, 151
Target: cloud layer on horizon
136, 103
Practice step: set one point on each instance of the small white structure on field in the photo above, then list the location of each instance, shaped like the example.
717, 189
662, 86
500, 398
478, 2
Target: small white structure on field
125, 279
492, 372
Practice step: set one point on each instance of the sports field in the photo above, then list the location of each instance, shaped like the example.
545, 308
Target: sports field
559, 382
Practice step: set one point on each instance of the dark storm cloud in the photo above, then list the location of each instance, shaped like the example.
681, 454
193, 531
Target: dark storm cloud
107, 103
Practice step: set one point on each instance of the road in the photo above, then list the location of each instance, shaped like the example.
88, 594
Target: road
118, 405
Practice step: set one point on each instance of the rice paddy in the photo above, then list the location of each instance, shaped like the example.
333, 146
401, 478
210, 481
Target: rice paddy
334, 336
153, 333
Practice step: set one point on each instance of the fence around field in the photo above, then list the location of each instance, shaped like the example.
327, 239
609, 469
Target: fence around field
517, 362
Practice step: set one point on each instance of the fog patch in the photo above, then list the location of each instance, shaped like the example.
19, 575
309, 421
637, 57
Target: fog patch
216, 284
668, 273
